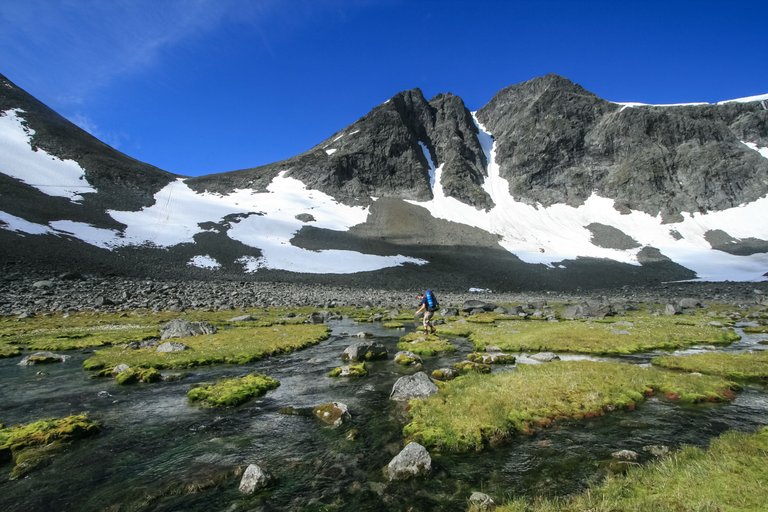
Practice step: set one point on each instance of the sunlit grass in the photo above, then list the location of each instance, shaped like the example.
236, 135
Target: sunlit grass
627, 335
424, 344
476, 410
729, 476
238, 345
233, 391
749, 366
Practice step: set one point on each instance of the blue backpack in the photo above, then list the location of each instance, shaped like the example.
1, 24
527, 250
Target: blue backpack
432, 303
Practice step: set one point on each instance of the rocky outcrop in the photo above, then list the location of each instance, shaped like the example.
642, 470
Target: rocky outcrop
364, 351
180, 328
412, 461
559, 143
417, 385
254, 479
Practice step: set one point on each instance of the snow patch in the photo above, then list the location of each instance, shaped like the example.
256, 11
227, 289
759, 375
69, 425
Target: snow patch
204, 261
48, 174
549, 235
329, 152
747, 99
751, 145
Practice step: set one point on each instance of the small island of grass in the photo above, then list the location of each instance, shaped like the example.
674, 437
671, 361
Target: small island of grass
746, 366
232, 392
424, 344
462, 416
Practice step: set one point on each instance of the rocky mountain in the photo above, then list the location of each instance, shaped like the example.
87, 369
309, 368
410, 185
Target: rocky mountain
546, 187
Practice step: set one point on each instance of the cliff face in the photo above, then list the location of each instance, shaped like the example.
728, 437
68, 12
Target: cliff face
557, 143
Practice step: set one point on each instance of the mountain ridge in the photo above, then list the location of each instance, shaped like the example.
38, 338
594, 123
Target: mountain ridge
405, 192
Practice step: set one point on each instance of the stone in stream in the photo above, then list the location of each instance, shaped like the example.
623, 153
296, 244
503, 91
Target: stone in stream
545, 357
332, 413
43, 357
413, 460
481, 502
253, 479
417, 385
364, 351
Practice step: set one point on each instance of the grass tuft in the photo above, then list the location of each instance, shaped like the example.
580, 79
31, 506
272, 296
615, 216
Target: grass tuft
232, 392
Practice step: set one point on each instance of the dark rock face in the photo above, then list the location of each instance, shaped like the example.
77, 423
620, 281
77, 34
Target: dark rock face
381, 155
557, 143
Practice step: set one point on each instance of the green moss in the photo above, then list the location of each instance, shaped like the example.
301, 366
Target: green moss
32, 444
730, 475
471, 366
237, 345
457, 328
492, 358
405, 359
134, 375
759, 329
353, 370
746, 366
9, 350
424, 345
476, 410
234, 391
639, 332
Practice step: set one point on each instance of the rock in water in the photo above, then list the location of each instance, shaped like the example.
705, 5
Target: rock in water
417, 385
413, 460
253, 479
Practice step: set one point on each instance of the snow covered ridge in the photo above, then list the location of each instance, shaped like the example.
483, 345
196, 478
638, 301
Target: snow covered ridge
550, 235
47, 173
748, 99
266, 220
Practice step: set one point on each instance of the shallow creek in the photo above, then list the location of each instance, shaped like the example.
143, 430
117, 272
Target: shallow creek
155, 448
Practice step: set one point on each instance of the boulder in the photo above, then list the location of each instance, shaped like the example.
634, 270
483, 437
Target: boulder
332, 413
689, 303
253, 479
171, 346
120, 368
481, 502
413, 460
628, 455
44, 284
364, 351
444, 374
472, 304
407, 358
243, 318
316, 317
43, 357
672, 309
417, 385
588, 310
180, 328
545, 357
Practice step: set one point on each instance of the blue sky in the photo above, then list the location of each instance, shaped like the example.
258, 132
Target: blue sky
202, 86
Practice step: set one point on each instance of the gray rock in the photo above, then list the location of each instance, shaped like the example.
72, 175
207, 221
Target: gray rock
364, 351
671, 309
43, 357
417, 385
171, 346
44, 284
481, 502
253, 479
243, 318
316, 317
471, 305
120, 368
545, 357
180, 328
628, 455
408, 358
332, 413
412, 461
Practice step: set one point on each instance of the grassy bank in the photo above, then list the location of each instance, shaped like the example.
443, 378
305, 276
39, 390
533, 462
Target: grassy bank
477, 410
238, 345
746, 366
729, 476
638, 332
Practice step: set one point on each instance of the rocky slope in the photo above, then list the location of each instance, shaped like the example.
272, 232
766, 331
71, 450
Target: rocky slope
502, 199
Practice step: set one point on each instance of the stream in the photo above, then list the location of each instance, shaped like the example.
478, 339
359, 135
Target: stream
157, 452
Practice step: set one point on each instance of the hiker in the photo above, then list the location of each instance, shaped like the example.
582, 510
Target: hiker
428, 305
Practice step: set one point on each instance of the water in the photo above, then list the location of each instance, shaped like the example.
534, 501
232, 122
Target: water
157, 452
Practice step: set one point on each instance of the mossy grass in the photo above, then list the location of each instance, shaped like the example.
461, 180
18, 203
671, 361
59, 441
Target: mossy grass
30, 445
455, 328
71, 339
463, 367
352, 370
424, 344
639, 332
475, 410
729, 475
134, 375
491, 358
490, 317
746, 366
756, 329
233, 391
238, 345
8, 350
